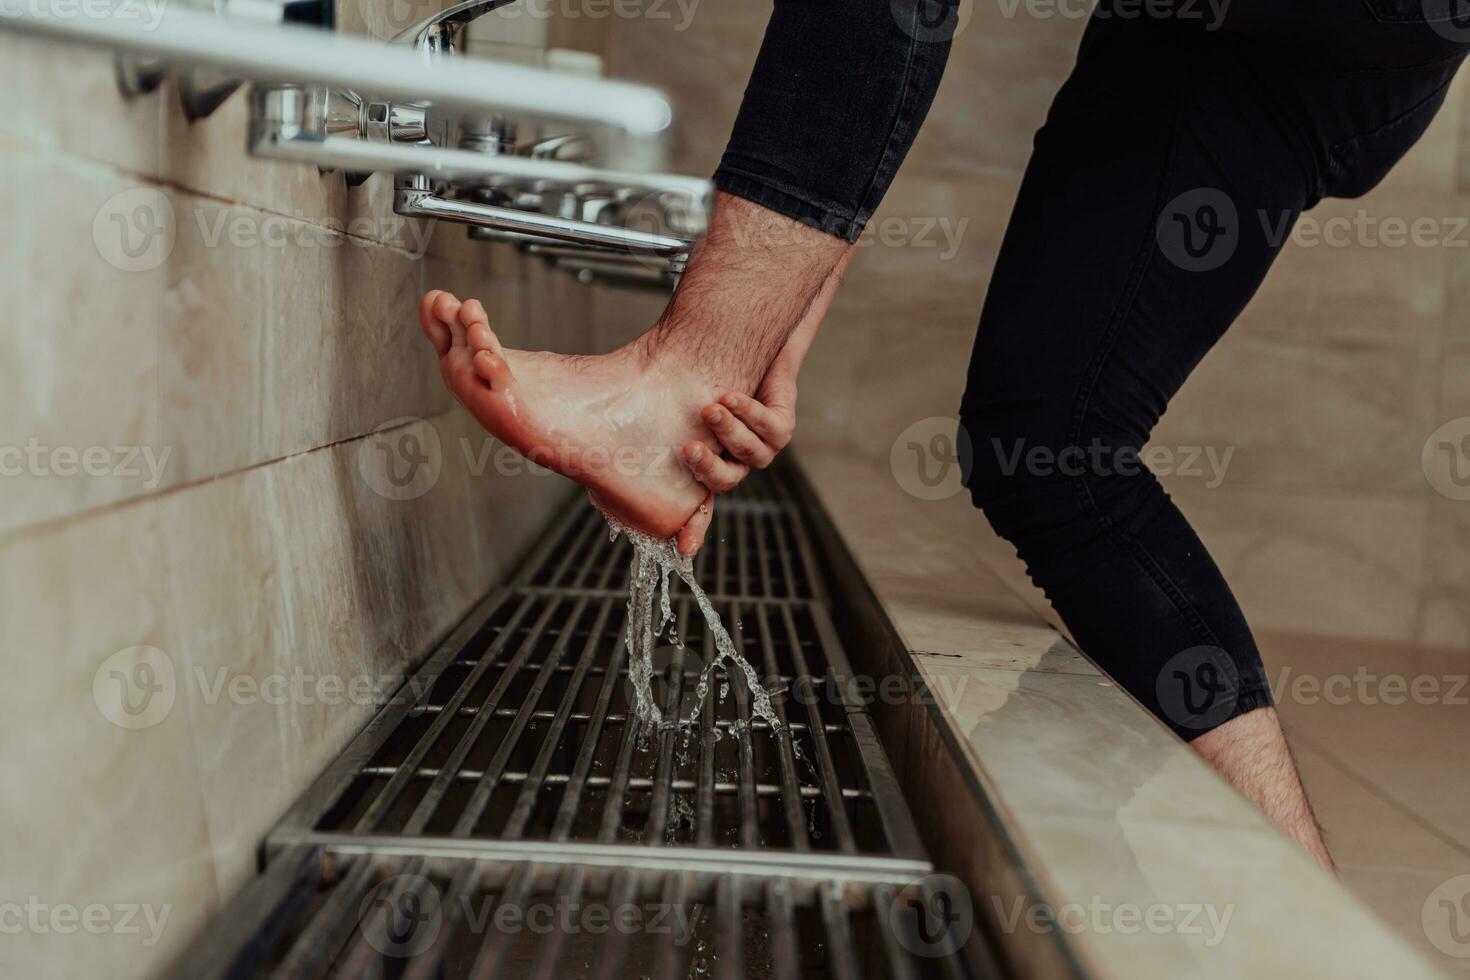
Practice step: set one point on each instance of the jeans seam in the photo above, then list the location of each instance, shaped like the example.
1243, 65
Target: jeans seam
899, 114
826, 209
1083, 397
1335, 155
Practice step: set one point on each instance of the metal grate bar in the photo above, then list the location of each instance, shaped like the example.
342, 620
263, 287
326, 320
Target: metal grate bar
658, 810
671, 953
730, 965
571, 801
637, 784
841, 960
430, 803
790, 796
883, 905
328, 929
704, 815
610, 968
389, 796
535, 780
569, 887
784, 959
475, 807
747, 787
825, 766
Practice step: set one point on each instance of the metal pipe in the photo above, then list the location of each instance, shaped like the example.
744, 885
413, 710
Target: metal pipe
290, 54
280, 140
416, 203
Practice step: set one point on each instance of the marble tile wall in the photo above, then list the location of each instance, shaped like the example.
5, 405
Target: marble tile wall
1326, 391
237, 504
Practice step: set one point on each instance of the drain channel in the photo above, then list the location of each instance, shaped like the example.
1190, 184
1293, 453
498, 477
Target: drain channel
510, 773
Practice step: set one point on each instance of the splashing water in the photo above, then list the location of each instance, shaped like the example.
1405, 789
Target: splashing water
653, 562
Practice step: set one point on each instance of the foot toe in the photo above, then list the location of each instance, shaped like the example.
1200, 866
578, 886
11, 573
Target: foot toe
446, 311
473, 311
492, 368
436, 331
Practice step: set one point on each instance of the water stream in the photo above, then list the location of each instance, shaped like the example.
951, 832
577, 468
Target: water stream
653, 563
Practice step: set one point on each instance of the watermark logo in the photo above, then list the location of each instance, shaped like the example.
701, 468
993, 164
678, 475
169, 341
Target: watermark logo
1197, 688
1445, 459
401, 459
42, 918
135, 688
135, 230
402, 916
933, 915
1450, 19
1103, 460
671, 667
148, 13
146, 464
928, 458
1366, 687
932, 21
388, 21
1101, 917
1199, 230
1446, 917
1210, 13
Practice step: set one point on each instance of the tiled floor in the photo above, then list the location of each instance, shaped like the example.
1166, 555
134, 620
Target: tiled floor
1388, 773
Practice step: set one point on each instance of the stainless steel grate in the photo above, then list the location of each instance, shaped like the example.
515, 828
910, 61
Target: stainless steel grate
508, 771
367, 914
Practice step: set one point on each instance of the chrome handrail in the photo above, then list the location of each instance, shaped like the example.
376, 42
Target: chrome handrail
635, 116
416, 203
363, 107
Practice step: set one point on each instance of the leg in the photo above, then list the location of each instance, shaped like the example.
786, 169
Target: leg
1251, 752
1171, 165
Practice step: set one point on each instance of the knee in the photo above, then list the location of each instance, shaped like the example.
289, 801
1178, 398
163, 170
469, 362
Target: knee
1055, 489
1022, 470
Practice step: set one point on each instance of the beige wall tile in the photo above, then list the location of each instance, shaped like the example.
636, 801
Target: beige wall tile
715, 51
79, 359
1444, 615
95, 812
1356, 272
1332, 418
71, 103
1433, 165
1002, 75
1457, 298
271, 349
1314, 562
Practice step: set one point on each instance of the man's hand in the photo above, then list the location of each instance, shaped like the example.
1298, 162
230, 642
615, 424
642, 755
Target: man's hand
754, 428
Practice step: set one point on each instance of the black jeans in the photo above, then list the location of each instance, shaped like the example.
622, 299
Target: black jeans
1171, 166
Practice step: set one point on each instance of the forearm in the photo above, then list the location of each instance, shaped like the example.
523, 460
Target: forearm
835, 100
748, 285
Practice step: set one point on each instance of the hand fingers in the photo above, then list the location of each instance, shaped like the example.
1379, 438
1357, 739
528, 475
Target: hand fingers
736, 437
691, 535
720, 475
772, 426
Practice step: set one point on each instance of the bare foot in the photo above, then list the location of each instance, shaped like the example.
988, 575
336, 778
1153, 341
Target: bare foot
614, 423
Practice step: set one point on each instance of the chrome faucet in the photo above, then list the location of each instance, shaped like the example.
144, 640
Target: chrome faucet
358, 106
438, 34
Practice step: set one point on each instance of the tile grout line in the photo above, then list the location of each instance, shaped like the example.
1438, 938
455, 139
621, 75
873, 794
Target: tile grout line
17, 535
1297, 734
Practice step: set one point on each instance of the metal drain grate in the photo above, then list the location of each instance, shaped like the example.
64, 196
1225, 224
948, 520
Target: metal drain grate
509, 771
758, 550
352, 915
